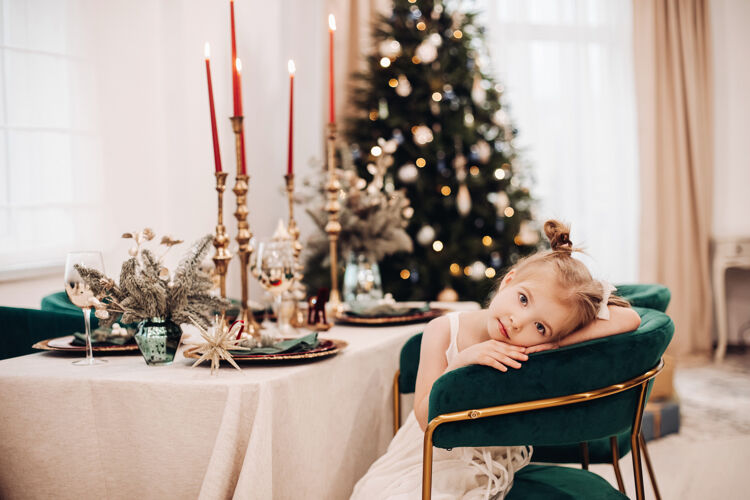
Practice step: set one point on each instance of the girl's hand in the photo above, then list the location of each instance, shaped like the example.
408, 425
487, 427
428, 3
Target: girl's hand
542, 347
492, 353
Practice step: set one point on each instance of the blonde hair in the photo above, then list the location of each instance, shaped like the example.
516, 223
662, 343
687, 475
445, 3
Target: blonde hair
581, 291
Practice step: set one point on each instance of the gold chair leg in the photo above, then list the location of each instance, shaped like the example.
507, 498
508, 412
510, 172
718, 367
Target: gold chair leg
396, 404
649, 467
616, 463
584, 456
635, 443
427, 464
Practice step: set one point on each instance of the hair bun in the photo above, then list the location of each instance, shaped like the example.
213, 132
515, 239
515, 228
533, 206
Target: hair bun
558, 235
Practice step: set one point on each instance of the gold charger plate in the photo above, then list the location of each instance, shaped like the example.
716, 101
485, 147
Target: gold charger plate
326, 348
63, 344
391, 320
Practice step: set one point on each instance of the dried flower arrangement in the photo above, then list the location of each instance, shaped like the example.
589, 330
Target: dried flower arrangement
148, 290
373, 214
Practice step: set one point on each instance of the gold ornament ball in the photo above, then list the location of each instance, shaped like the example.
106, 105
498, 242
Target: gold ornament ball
447, 295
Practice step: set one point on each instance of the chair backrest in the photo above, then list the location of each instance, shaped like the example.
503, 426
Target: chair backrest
409, 364
569, 370
21, 328
652, 296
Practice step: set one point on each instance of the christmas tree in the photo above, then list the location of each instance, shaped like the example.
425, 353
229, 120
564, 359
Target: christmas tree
427, 86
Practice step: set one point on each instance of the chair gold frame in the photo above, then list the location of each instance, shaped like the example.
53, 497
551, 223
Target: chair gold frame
636, 439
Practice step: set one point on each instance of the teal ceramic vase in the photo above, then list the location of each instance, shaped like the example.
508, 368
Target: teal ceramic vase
158, 340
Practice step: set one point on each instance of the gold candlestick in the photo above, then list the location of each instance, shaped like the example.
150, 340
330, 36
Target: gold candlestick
333, 227
298, 289
293, 229
243, 230
222, 256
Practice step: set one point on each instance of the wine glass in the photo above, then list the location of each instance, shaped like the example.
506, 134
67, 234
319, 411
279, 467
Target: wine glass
273, 265
80, 294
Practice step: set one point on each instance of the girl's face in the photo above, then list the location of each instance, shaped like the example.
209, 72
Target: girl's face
528, 312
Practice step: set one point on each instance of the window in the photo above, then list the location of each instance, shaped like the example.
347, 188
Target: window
567, 69
50, 171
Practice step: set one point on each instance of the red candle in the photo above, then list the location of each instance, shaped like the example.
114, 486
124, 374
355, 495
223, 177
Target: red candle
238, 67
235, 82
214, 133
290, 159
331, 29
238, 94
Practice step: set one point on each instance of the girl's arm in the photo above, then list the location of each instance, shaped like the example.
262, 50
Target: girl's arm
621, 320
433, 363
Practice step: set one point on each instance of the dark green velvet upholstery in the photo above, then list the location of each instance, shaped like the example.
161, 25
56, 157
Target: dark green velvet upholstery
544, 482
21, 328
408, 364
650, 296
59, 302
600, 451
568, 370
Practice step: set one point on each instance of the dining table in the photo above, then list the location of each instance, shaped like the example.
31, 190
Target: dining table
274, 430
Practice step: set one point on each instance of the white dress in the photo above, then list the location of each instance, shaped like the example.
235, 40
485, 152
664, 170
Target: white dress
460, 473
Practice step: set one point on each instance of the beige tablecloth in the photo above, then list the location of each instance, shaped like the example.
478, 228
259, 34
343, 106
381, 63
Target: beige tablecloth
127, 430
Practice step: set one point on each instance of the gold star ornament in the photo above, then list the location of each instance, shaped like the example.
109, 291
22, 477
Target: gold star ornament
219, 340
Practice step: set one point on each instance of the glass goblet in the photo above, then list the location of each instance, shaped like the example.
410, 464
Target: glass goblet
273, 265
80, 295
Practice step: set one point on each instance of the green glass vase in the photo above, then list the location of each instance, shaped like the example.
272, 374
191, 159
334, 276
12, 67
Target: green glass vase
158, 340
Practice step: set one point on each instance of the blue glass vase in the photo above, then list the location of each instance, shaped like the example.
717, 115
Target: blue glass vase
158, 340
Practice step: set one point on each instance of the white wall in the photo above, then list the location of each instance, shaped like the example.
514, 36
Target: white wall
153, 117
731, 41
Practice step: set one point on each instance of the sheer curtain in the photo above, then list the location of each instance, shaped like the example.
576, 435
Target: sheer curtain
104, 124
49, 147
567, 69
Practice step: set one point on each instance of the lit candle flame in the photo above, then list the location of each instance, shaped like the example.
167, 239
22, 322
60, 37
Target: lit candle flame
290, 66
331, 22
238, 65
207, 50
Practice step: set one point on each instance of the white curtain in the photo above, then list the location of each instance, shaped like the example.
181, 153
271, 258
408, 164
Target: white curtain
567, 69
49, 144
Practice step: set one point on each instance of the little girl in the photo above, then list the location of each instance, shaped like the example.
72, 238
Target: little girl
546, 300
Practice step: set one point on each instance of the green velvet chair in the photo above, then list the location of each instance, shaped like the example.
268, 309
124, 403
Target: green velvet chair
604, 450
610, 450
574, 394
21, 328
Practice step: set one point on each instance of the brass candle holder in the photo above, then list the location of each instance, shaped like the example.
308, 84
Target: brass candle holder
298, 289
243, 230
222, 256
333, 227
